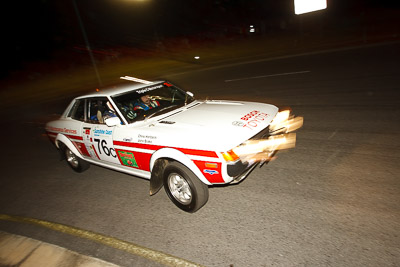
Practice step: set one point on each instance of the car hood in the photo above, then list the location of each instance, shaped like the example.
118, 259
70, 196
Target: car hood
212, 125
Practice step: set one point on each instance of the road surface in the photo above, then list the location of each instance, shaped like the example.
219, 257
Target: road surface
331, 201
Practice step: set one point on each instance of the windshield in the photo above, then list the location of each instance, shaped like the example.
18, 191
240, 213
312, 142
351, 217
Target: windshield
151, 101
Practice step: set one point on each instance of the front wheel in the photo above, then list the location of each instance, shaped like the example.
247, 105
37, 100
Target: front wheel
75, 162
184, 188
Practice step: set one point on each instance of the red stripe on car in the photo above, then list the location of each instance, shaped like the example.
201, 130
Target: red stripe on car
194, 152
74, 137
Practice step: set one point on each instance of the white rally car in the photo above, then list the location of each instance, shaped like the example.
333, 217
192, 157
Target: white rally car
177, 142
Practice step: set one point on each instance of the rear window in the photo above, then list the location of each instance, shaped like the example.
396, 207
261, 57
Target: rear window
77, 111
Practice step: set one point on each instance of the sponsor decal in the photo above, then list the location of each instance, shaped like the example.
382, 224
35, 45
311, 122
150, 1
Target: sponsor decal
253, 119
98, 132
211, 172
144, 90
127, 159
62, 130
146, 139
250, 115
214, 176
237, 123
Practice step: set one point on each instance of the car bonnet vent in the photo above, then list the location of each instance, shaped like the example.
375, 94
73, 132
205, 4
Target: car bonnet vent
167, 122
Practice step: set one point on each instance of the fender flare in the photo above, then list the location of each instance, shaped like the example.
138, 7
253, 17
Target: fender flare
170, 153
63, 139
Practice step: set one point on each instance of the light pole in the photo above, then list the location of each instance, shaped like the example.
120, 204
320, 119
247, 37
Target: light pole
87, 42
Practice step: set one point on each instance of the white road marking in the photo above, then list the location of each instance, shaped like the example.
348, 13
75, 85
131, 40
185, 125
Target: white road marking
332, 156
333, 134
270, 75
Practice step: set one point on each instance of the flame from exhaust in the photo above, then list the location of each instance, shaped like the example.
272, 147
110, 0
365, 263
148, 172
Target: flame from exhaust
289, 124
263, 149
265, 146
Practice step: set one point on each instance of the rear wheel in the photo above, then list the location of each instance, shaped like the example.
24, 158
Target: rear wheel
184, 188
75, 162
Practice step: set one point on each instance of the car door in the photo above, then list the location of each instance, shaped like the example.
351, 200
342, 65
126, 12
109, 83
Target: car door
97, 136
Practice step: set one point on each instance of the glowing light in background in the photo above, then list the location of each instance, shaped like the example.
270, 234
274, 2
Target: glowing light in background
305, 6
252, 29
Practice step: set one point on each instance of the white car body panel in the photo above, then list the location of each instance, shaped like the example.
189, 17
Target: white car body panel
209, 125
195, 135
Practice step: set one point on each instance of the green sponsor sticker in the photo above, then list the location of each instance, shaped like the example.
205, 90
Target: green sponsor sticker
127, 159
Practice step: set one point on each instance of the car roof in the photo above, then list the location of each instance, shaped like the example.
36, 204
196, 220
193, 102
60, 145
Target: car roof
118, 89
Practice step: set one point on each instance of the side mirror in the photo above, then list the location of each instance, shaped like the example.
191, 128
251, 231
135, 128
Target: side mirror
114, 121
190, 93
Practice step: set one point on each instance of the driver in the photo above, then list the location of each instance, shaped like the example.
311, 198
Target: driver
110, 111
146, 103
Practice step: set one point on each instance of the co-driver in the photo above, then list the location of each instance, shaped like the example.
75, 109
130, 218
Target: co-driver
146, 103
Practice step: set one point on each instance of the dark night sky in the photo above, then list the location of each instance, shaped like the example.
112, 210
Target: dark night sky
35, 28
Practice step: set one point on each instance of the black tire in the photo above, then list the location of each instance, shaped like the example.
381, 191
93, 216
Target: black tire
184, 189
75, 162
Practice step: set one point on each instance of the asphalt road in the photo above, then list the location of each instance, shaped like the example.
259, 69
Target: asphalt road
331, 201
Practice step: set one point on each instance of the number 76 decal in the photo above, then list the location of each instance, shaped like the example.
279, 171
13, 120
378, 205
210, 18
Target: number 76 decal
102, 146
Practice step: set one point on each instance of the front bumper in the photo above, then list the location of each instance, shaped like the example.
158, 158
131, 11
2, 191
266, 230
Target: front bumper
239, 171
245, 173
